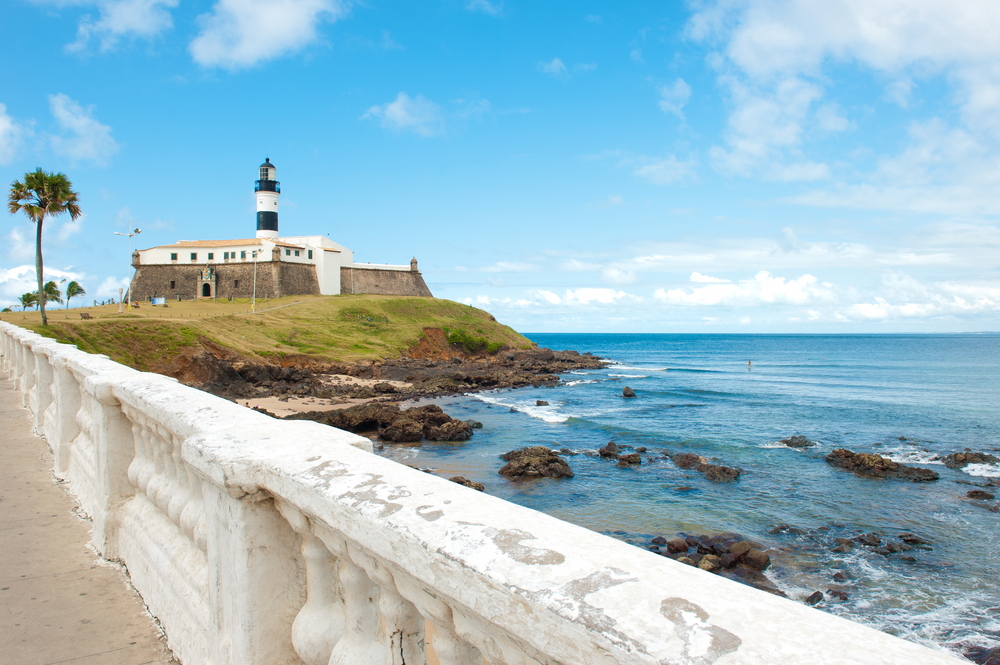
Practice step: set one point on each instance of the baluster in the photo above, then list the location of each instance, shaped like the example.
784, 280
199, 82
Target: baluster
403, 624
320, 623
441, 638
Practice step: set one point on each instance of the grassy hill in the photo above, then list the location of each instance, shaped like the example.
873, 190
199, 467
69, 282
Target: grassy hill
323, 328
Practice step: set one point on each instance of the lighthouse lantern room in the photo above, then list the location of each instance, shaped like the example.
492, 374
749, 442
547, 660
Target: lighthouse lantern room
267, 190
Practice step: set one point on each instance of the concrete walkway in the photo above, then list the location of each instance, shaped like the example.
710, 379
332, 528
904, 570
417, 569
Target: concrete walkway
59, 602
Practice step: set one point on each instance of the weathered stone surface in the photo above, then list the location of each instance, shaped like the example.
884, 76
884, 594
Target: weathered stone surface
797, 441
963, 459
392, 424
610, 449
541, 402
756, 559
710, 562
714, 472
979, 494
631, 459
462, 480
628, 392
677, 545
534, 462
871, 465
814, 597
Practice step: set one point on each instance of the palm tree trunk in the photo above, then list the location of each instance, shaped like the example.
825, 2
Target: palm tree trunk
38, 267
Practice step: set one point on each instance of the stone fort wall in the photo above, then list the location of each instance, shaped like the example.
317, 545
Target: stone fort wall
383, 282
232, 280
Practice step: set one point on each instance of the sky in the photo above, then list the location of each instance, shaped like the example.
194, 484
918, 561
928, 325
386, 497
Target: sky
730, 166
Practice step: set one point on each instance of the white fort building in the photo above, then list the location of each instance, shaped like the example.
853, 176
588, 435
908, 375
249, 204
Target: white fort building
281, 266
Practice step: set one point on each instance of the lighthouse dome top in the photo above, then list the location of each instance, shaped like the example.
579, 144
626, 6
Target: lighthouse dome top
267, 164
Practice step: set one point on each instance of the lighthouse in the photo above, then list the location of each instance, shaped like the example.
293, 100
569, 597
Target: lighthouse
267, 190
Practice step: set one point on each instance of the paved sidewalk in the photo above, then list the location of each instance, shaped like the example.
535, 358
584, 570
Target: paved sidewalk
59, 603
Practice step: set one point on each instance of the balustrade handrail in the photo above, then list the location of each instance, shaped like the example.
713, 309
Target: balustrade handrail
255, 540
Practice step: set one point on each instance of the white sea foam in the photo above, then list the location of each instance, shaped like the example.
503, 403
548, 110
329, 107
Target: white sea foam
631, 376
983, 470
548, 414
910, 456
641, 369
580, 372
779, 444
580, 382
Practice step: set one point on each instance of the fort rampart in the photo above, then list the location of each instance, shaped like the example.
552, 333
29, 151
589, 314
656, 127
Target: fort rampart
257, 541
382, 281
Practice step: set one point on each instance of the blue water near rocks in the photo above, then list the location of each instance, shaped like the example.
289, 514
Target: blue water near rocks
913, 398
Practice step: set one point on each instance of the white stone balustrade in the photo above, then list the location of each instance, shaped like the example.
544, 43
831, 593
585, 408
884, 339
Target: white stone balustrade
256, 541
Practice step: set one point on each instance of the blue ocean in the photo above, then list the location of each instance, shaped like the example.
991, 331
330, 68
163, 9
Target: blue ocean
912, 398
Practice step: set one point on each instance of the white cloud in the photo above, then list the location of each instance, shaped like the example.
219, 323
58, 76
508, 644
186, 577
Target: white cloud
705, 279
661, 171
130, 19
242, 33
776, 59
673, 97
506, 266
548, 297
83, 138
763, 288
585, 296
19, 247
12, 133
70, 227
555, 67
613, 275
485, 6
575, 265
417, 114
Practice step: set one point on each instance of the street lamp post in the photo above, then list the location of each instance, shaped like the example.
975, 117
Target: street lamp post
134, 232
253, 301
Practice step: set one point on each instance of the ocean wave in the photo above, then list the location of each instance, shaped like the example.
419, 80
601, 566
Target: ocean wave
580, 382
631, 376
641, 369
913, 456
548, 414
779, 444
983, 470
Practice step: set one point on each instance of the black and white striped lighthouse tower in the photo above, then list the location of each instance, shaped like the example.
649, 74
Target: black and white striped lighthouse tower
268, 190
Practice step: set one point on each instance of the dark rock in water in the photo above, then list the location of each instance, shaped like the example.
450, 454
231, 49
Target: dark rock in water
567, 451
871, 465
683, 489
797, 441
727, 560
462, 480
541, 402
814, 597
402, 430
686, 560
714, 472
869, 539
474, 424
841, 549
913, 539
611, 449
839, 576
640, 449
513, 410
740, 549
961, 460
392, 424
756, 559
534, 462
710, 562
786, 528
677, 545
659, 540
983, 655
751, 577
979, 494
629, 460
628, 392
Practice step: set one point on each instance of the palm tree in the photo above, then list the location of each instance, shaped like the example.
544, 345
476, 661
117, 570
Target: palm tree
42, 194
28, 300
73, 289
52, 292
